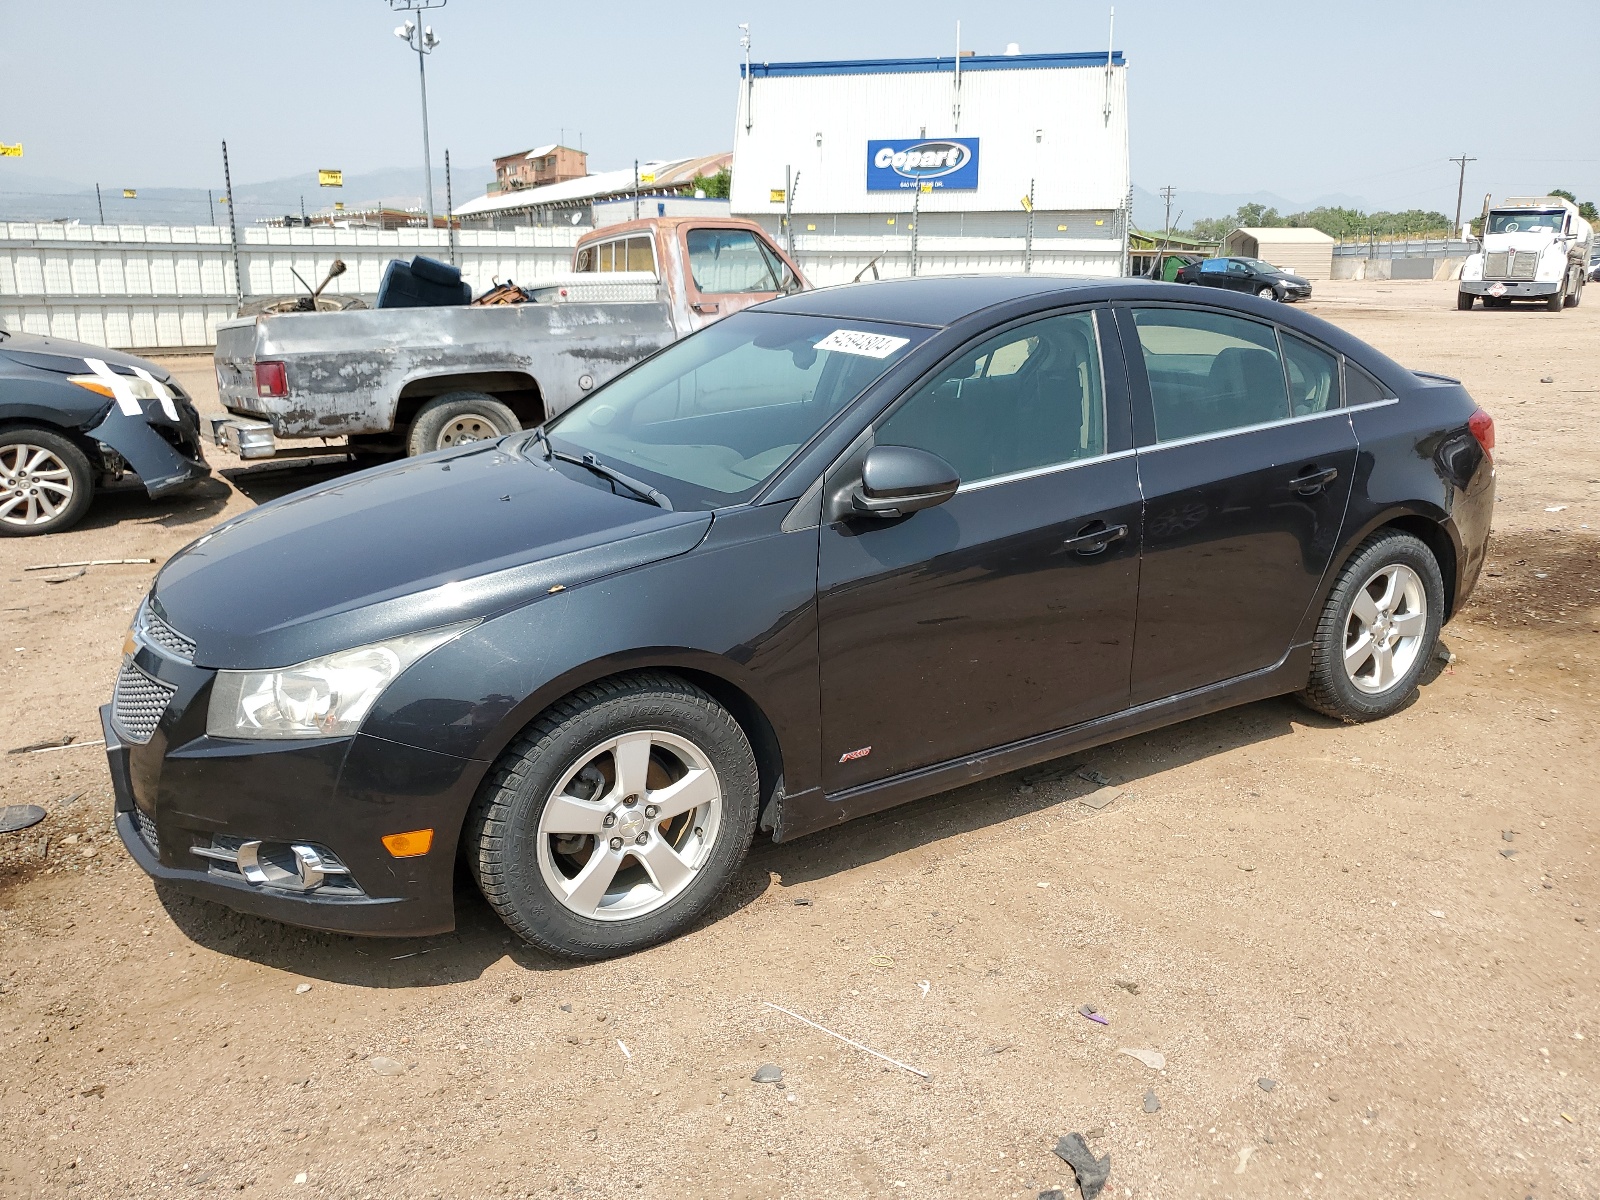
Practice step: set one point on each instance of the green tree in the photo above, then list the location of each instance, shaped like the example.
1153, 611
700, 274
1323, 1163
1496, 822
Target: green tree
717, 186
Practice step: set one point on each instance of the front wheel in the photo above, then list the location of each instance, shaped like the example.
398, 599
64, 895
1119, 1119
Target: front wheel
1378, 630
1267, 293
1464, 301
616, 819
457, 418
45, 482
1558, 301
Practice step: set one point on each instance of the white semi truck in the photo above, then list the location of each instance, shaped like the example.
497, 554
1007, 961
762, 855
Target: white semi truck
1532, 248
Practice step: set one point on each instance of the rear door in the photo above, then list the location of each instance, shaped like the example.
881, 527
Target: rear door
1246, 458
1008, 610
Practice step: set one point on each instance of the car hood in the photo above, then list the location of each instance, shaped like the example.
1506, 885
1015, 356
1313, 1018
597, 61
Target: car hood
1297, 280
413, 545
59, 354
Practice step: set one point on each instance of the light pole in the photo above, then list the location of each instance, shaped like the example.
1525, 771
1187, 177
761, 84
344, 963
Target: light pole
422, 40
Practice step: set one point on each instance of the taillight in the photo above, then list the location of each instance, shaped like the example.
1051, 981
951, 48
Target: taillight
1482, 426
272, 379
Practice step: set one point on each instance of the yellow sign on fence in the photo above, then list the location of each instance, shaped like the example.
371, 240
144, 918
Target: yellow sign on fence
130, 193
776, 196
330, 178
10, 151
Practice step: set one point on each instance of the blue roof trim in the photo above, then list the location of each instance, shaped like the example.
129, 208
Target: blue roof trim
918, 66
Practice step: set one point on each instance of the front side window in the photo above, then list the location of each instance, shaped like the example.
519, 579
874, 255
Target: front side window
713, 417
1025, 399
727, 261
1209, 372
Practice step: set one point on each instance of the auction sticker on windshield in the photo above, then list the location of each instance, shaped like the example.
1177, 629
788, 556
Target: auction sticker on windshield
854, 341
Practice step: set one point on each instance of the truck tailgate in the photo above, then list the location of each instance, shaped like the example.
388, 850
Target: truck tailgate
235, 360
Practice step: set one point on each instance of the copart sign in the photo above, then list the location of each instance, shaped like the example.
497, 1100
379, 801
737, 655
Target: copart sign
936, 162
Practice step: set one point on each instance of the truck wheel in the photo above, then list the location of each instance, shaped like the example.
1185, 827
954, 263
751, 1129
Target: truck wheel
1575, 296
1464, 300
1558, 301
457, 418
615, 820
45, 482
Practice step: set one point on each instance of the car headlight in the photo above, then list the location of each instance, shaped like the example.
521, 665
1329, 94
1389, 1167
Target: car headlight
141, 389
325, 697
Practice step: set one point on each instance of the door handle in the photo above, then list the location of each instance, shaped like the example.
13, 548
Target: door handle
705, 306
1094, 537
1311, 481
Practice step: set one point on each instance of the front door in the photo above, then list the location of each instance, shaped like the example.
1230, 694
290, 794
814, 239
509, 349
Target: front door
1246, 460
1008, 610
730, 268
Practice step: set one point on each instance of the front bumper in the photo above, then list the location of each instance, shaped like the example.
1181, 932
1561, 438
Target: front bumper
175, 795
1525, 289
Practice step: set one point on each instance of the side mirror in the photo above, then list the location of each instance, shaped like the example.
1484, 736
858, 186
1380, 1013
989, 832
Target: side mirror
898, 480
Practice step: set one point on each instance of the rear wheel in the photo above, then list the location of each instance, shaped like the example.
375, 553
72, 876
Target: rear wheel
457, 418
1378, 629
617, 819
1464, 300
45, 481
1575, 291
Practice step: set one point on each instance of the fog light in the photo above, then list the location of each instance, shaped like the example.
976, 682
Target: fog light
409, 845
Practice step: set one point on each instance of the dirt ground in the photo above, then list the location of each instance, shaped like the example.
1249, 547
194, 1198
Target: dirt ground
1396, 923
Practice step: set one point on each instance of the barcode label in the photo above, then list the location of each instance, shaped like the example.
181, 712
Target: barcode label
870, 345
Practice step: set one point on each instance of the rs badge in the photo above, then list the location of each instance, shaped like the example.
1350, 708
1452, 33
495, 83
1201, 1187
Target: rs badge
852, 755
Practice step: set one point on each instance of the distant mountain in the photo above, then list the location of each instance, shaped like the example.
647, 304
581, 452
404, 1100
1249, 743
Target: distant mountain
40, 198
1149, 209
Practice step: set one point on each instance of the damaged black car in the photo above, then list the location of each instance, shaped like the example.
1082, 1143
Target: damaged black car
76, 418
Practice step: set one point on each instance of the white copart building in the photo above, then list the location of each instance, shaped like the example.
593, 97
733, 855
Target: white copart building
1052, 124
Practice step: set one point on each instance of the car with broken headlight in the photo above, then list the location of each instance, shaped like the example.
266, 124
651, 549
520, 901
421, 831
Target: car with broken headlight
76, 419
835, 553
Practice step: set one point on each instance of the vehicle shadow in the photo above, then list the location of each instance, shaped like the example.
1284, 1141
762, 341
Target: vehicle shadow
480, 940
269, 481
116, 506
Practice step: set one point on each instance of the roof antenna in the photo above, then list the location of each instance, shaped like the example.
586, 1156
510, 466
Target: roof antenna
1111, 41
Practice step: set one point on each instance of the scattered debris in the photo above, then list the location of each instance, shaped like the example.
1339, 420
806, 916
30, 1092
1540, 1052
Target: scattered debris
1101, 798
1127, 985
1052, 1194
302, 989
89, 562
1153, 1059
1507, 835
1548, 379
1093, 1014
1092, 776
1265, 1084
99, 1090
68, 746
1444, 654
515, 998
78, 574
386, 1066
564, 1007
1151, 1104
302, 1177
64, 740
1556, 508
1092, 1172
768, 1073
924, 984
1244, 1157
1564, 1116
1434, 912
1508, 853
15, 817
802, 903
626, 1053
847, 1041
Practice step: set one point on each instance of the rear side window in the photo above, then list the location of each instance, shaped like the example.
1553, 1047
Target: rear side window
1210, 372
1023, 400
1361, 388
1313, 376
624, 254
725, 261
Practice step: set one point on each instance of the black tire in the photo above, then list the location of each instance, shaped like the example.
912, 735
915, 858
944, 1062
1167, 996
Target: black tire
1464, 301
501, 839
1331, 690
456, 418
1575, 294
1558, 301
17, 485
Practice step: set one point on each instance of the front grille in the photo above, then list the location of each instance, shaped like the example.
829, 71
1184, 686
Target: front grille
1510, 264
147, 830
139, 701
159, 632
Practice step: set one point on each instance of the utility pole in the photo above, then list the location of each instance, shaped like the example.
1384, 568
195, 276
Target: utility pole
1461, 188
1167, 194
749, 79
1027, 251
100, 204
636, 189
233, 225
422, 40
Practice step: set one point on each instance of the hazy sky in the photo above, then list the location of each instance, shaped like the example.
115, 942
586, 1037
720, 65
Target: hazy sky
1295, 97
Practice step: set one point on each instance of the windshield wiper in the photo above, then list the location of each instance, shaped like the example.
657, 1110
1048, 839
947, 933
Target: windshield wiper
643, 490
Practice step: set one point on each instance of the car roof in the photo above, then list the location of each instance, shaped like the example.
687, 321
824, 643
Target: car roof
932, 300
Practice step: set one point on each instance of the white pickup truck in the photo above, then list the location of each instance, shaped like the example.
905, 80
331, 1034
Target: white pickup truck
415, 379
1532, 248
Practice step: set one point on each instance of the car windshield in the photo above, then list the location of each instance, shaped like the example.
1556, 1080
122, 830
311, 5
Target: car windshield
1256, 264
712, 418
1523, 221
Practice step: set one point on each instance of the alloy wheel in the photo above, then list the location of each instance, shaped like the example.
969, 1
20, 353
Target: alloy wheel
1387, 626
629, 825
35, 485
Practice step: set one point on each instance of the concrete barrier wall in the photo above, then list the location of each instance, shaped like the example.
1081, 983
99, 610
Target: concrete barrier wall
1397, 268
